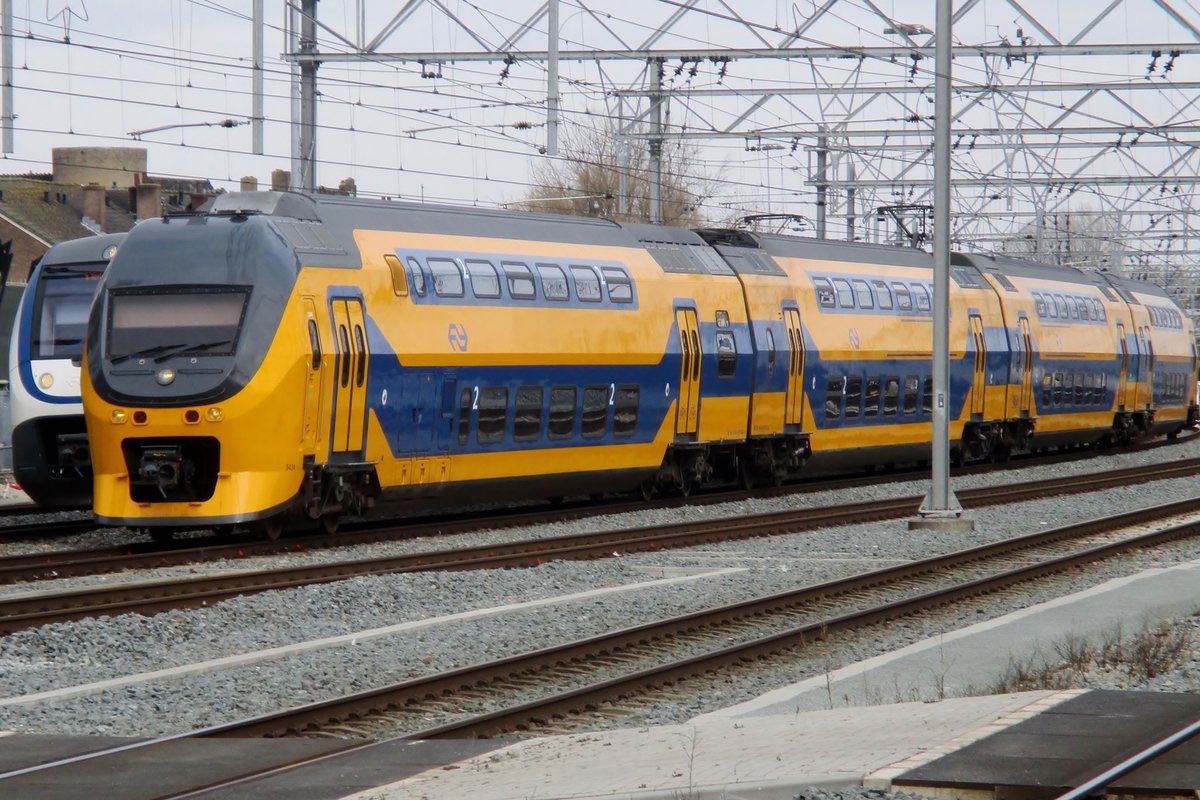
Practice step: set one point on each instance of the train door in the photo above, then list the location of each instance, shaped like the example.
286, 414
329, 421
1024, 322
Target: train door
1149, 358
1025, 342
688, 413
1123, 377
350, 390
980, 377
314, 386
794, 405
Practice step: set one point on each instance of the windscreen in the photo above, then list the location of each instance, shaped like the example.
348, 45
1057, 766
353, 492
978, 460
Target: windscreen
175, 321
60, 313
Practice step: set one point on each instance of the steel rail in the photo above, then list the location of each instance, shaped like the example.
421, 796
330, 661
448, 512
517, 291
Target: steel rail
25, 611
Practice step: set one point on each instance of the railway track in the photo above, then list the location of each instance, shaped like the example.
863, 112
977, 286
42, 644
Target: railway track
559, 689
40, 608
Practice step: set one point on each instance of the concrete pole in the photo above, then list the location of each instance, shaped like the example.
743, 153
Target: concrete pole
308, 97
941, 508
552, 78
822, 187
656, 145
6, 22
256, 77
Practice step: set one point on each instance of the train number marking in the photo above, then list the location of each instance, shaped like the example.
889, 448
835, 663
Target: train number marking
612, 392
457, 334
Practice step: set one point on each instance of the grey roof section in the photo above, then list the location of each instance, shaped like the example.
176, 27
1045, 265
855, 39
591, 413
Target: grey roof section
330, 220
88, 250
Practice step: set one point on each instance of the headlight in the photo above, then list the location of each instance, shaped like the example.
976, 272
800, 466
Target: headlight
118, 416
45, 380
165, 376
214, 414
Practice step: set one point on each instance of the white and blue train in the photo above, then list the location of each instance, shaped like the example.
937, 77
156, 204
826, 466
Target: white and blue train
51, 458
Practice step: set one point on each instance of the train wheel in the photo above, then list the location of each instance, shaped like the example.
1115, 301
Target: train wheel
271, 528
161, 535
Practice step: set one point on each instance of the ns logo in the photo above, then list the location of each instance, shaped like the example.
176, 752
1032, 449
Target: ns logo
457, 334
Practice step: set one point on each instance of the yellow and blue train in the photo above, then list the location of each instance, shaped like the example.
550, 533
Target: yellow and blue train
279, 356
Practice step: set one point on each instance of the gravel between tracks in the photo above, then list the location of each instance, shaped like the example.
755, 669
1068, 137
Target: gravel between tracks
65, 655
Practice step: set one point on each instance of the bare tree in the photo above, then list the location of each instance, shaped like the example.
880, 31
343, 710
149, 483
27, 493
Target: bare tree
586, 179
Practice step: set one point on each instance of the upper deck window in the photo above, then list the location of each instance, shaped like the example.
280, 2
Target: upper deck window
587, 284
620, 288
484, 281
862, 294
520, 280
554, 282
447, 279
845, 294
825, 295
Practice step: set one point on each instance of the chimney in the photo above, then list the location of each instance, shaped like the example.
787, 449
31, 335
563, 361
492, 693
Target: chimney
280, 178
249, 184
198, 199
148, 203
93, 203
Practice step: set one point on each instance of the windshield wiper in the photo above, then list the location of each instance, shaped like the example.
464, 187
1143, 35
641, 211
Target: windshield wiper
191, 348
149, 351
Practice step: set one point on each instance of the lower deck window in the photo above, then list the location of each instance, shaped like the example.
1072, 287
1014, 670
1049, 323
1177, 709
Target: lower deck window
595, 411
562, 412
625, 410
493, 413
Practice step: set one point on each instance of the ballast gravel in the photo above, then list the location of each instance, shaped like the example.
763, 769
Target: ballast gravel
74, 654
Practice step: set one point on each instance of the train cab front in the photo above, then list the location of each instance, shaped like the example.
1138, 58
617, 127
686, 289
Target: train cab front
182, 377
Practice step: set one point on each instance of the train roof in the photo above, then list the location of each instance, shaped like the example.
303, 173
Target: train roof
329, 220
87, 250
819, 249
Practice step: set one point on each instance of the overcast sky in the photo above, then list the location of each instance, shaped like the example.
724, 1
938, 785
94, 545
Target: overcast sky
90, 72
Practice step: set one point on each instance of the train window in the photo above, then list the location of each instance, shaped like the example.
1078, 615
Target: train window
883, 293
447, 279
1068, 389
527, 414
493, 414
399, 276
520, 280
314, 343
1057, 397
825, 295
362, 356
595, 411
903, 297
1047, 394
922, 297
853, 397
464, 415
1101, 314
862, 294
845, 294
726, 355
484, 280
620, 288
871, 402
1098, 389
1083, 389
417, 275
912, 385
696, 355
1080, 397
1060, 305
554, 282
891, 396
625, 410
834, 390
562, 413
1072, 308
770, 352
345, 355
927, 396
1039, 303
587, 284
1051, 307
